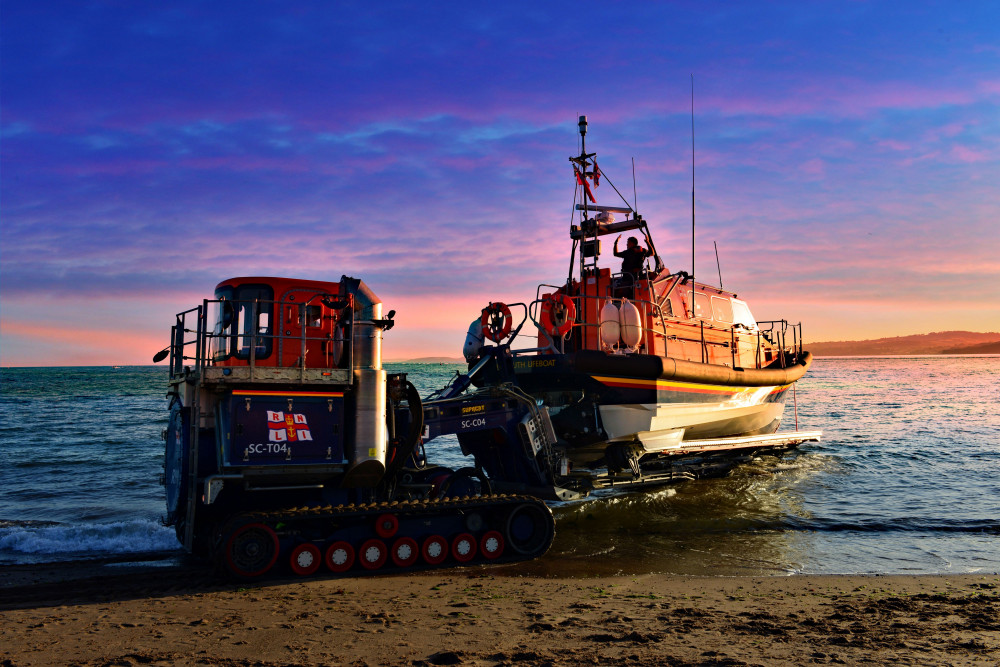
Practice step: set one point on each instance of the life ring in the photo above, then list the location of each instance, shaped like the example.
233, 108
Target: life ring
558, 314
496, 321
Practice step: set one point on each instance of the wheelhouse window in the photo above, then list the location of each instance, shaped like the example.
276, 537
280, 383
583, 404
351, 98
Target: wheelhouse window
742, 315
702, 306
722, 309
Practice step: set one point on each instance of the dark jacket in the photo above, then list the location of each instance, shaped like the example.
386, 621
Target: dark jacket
633, 259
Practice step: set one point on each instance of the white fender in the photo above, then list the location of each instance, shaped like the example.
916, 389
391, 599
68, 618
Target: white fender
473, 341
631, 324
611, 330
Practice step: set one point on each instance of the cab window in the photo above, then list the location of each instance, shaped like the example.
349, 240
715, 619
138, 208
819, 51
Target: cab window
253, 320
313, 315
222, 315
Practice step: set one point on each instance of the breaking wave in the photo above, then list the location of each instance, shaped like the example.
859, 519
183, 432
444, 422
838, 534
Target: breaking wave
45, 541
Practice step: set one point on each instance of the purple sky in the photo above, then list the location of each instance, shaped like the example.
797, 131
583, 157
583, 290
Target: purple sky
848, 158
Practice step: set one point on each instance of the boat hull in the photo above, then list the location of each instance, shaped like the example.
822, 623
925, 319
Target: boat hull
654, 402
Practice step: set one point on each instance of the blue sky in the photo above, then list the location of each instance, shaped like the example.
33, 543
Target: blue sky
848, 158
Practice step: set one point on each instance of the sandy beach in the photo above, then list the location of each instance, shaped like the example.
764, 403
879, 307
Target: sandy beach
107, 615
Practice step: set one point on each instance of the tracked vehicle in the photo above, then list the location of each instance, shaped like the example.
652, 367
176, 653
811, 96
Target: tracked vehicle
290, 449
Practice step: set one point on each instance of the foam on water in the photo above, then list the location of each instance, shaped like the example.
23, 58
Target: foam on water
21, 542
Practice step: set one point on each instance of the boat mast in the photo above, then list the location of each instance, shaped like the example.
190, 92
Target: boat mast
581, 163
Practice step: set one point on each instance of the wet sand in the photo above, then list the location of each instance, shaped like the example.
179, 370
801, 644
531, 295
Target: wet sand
121, 614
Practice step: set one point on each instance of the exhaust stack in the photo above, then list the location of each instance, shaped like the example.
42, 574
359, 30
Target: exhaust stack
370, 441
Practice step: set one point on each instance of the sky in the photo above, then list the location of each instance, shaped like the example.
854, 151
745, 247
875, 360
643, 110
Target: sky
846, 158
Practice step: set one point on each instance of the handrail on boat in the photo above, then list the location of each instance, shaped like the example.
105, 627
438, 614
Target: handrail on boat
776, 332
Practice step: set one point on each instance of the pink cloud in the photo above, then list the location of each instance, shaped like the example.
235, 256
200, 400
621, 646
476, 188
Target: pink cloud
814, 167
992, 86
116, 168
892, 144
248, 163
968, 155
843, 97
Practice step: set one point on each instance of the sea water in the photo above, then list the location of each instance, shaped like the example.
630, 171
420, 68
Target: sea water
905, 480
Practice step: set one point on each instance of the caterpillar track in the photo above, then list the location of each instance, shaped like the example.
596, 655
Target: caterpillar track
382, 537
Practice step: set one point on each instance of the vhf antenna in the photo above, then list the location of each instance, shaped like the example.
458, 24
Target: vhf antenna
717, 264
692, 195
635, 197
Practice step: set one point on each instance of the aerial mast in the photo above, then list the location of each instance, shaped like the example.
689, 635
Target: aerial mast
692, 196
581, 163
583, 173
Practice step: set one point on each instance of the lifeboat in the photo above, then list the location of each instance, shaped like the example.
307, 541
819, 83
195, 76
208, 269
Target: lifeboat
631, 361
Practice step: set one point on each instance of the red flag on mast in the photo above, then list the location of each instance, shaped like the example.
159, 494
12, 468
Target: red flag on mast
586, 186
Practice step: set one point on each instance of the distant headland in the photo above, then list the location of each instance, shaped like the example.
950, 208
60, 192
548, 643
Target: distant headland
939, 342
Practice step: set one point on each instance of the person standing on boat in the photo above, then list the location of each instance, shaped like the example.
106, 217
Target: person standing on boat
633, 256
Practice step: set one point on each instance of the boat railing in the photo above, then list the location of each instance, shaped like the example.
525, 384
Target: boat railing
581, 300
197, 343
786, 337
775, 336
661, 321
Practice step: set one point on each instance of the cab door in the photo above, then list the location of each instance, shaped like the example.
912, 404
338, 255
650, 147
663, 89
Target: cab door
306, 324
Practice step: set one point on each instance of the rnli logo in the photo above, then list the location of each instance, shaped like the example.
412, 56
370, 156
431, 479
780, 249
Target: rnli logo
287, 427
473, 409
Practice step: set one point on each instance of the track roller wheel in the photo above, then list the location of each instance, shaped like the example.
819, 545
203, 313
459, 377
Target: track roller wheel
251, 550
435, 549
386, 526
491, 545
463, 547
305, 559
373, 554
529, 529
339, 557
405, 552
